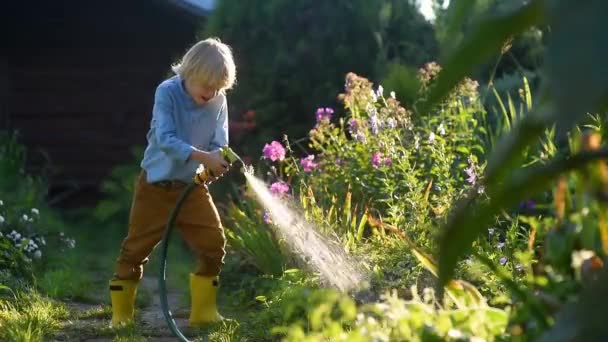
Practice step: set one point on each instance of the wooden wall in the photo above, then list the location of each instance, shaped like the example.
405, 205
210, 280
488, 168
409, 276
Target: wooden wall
77, 81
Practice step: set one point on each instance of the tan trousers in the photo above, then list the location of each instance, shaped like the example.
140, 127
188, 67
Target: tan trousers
198, 222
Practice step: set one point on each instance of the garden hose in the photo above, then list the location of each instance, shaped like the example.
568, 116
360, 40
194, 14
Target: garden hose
200, 178
162, 283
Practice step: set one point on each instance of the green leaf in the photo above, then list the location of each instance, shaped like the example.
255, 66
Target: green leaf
261, 299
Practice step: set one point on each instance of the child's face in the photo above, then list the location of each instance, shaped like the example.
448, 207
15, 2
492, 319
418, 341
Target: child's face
199, 92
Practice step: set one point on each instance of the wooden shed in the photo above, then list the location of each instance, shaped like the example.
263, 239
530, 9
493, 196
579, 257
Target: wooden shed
77, 81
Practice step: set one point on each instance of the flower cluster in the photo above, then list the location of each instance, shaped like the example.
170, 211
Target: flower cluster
378, 160
279, 188
308, 163
274, 151
428, 73
31, 243
324, 114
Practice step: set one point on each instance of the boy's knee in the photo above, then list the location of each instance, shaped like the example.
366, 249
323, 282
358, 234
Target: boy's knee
129, 272
210, 265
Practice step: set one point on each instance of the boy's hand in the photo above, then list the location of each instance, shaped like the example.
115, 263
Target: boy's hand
215, 163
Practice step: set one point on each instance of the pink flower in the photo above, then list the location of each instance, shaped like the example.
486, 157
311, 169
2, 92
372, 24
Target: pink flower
377, 160
279, 188
324, 114
307, 163
275, 151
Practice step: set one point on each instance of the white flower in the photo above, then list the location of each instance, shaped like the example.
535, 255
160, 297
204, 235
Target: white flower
416, 142
1, 203
431, 138
2, 219
1, 235
41, 240
25, 218
441, 129
37, 254
380, 91
393, 94
35, 211
71, 243
14, 236
455, 334
374, 96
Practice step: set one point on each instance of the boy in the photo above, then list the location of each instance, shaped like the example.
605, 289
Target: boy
189, 124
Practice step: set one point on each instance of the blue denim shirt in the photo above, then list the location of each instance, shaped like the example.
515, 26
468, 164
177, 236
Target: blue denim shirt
178, 125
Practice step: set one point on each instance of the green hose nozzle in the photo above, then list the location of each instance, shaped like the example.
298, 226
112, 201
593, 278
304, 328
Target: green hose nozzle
229, 155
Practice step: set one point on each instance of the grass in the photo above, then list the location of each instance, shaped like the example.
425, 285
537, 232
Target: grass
31, 317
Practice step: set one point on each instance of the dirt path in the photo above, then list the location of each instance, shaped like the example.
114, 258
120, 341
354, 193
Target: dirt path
90, 321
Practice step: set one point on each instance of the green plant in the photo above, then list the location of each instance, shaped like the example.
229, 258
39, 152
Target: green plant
27, 226
335, 316
569, 94
249, 234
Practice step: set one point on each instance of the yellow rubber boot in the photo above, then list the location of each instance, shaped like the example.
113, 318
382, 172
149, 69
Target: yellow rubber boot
123, 294
203, 293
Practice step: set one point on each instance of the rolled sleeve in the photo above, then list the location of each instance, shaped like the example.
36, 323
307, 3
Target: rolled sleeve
220, 135
165, 129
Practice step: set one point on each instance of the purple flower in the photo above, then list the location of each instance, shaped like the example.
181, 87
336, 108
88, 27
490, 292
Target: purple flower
361, 137
470, 171
471, 176
503, 260
391, 123
527, 205
373, 122
275, 151
267, 218
353, 126
307, 163
519, 267
500, 245
324, 114
279, 188
377, 159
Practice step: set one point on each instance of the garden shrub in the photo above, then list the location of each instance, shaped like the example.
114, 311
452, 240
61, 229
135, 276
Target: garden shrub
29, 229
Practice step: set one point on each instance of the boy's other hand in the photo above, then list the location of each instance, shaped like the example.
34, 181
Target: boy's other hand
216, 164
